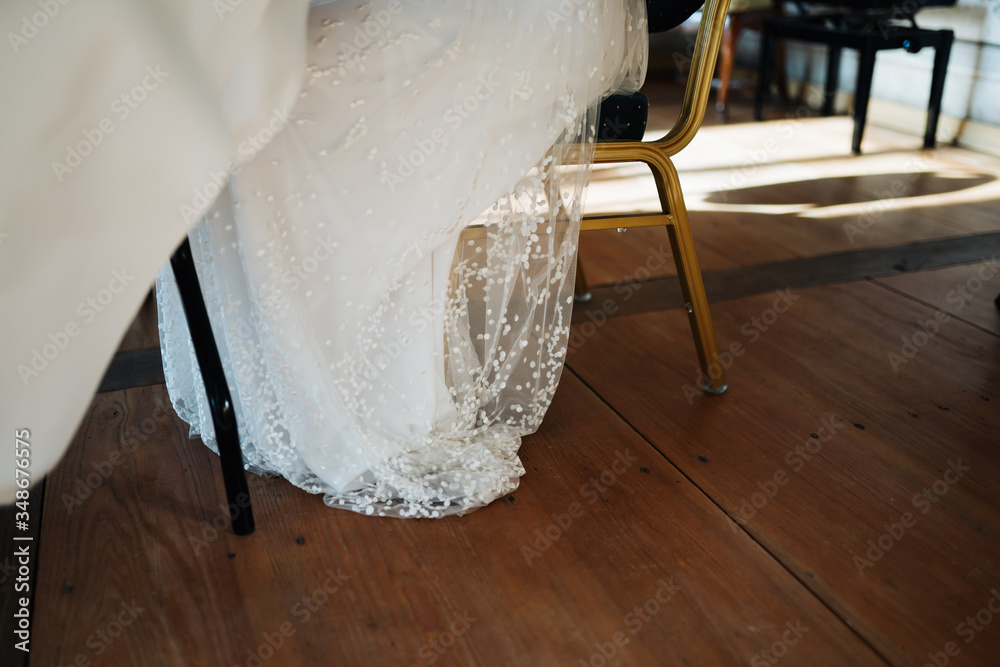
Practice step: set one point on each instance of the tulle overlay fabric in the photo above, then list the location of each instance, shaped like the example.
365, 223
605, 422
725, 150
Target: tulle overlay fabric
390, 279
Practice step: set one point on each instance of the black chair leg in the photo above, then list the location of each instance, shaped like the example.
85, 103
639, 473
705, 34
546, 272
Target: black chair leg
942, 52
866, 67
216, 388
832, 78
767, 46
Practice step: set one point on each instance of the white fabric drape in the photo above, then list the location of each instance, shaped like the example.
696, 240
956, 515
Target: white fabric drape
377, 353
115, 114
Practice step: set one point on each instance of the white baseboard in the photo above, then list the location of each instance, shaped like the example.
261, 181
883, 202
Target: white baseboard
909, 120
965, 133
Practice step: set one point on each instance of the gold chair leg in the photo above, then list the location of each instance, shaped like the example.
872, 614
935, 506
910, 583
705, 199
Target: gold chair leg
689, 275
582, 291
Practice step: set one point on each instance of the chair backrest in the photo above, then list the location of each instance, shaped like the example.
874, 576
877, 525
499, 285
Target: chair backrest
699, 83
663, 15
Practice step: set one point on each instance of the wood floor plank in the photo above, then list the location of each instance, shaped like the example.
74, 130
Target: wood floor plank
740, 235
757, 193
459, 591
18, 576
631, 295
137, 362
967, 292
133, 368
137, 567
821, 450
143, 333
114, 552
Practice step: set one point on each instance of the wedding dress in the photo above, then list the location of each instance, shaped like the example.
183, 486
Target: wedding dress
377, 353
388, 261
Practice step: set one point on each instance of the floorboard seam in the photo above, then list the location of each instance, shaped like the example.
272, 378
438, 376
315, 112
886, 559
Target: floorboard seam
950, 314
804, 583
806, 272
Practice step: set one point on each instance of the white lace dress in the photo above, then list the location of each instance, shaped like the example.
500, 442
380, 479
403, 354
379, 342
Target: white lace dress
390, 278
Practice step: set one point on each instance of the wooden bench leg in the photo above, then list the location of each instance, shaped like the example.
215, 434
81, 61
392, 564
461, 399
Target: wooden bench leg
866, 67
832, 78
941, 55
727, 54
582, 291
767, 45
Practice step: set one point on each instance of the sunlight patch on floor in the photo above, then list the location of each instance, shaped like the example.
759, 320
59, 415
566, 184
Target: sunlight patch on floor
740, 162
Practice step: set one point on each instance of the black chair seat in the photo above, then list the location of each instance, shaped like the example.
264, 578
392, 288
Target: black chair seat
662, 15
622, 117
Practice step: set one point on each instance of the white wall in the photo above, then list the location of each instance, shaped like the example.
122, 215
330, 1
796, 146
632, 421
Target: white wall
972, 86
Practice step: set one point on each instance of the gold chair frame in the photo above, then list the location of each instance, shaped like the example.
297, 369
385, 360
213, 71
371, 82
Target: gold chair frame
656, 155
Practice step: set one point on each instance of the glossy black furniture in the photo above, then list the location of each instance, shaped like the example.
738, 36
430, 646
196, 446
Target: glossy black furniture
867, 31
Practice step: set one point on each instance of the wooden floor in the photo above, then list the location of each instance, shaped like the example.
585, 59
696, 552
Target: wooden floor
839, 505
